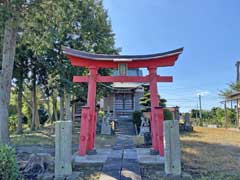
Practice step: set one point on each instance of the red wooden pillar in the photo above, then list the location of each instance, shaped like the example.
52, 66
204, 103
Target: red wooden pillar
92, 104
84, 131
154, 103
94, 128
159, 119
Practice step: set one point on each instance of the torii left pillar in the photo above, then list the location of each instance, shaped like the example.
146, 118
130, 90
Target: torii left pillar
88, 120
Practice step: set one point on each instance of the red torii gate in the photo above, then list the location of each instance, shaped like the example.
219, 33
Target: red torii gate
95, 61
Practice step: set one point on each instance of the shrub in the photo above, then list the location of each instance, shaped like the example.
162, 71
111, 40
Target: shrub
8, 163
167, 114
137, 119
101, 114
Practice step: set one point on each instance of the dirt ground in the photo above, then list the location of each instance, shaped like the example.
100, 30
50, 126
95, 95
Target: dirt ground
207, 153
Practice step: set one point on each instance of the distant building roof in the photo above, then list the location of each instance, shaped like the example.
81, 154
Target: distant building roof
233, 96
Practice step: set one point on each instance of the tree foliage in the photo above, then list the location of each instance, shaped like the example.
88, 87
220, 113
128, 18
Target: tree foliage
42, 73
216, 116
146, 101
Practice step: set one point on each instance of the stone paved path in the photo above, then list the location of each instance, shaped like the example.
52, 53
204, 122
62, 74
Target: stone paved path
122, 162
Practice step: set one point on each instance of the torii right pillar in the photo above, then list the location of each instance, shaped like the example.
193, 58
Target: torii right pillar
156, 114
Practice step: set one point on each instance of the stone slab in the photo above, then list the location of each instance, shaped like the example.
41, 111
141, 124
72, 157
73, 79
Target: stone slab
116, 154
112, 164
144, 157
154, 152
74, 176
99, 158
130, 154
92, 152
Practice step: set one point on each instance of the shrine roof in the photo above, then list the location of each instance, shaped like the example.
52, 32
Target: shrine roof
106, 57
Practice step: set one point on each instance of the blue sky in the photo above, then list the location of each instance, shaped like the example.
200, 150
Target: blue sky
209, 31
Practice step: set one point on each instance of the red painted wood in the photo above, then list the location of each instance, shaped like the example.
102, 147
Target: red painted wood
123, 78
159, 118
94, 129
158, 62
90, 131
80, 78
84, 132
91, 101
154, 103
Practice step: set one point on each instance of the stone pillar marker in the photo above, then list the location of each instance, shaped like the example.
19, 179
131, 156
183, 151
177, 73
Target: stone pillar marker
172, 149
63, 148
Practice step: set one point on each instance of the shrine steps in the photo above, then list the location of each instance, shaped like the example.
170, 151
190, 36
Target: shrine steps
125, 127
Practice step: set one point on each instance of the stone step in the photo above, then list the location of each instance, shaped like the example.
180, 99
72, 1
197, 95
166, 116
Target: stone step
125, 128
122, 162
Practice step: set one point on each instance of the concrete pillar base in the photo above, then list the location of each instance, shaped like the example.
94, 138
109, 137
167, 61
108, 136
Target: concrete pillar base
92, 152
154, 152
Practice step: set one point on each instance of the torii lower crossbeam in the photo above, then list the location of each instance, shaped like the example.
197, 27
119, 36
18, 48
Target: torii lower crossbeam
144, 79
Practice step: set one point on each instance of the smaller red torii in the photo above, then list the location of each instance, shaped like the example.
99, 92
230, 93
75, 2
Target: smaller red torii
95, 61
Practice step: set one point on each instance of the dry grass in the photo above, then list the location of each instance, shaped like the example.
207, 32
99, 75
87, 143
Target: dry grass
210, 150
45, 136
207, 154
32, 139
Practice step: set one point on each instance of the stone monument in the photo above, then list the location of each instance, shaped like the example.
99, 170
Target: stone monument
63, 148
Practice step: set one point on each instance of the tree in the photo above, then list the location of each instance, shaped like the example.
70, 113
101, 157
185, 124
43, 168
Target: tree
8, 53
146, 102
86, 27
45, 27
10, 13
19, 75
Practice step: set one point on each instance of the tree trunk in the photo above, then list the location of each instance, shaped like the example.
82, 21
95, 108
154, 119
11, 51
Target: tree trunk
54, 114
9, 47
68, 116
225, 114
19, 107
35, 117
62, 108
48, 108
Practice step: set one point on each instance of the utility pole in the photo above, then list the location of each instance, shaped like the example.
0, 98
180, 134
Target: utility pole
237, 71
196, 114
200, 106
